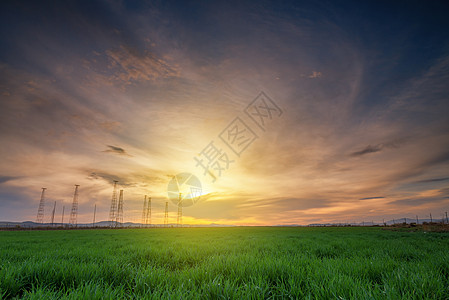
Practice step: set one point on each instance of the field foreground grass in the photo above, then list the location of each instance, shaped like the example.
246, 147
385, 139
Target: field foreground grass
217, 263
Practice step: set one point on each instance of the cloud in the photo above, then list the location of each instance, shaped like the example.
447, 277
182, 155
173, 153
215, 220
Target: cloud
128, 66
108, 178
116, 150
442, 157
428, 88
4, 179
130, 179
433, 180
418, 201
393, 144
111, 126
370, 198
368, 149
315, 74
444, 191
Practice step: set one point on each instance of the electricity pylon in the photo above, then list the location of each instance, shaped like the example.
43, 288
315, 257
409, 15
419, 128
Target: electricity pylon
74, 212
148, 212
113, 210
166, 215
40, 211
144, 211
53, 215
119, 219
179, 220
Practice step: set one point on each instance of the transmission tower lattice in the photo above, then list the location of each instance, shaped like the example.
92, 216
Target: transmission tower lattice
148, 212
74, 212
119, 219
113, 210
179, 220
40, 211
53, 215
166, 215
144, 211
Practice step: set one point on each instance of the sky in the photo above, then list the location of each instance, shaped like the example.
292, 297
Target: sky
286, 112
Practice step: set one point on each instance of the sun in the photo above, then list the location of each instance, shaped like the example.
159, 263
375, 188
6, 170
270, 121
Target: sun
184, 188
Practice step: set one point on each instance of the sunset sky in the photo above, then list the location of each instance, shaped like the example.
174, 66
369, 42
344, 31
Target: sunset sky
96, 91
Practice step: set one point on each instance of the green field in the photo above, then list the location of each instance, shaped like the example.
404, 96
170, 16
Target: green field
222, 263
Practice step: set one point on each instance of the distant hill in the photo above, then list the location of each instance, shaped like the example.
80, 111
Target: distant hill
388, 222
105, 224
101, 224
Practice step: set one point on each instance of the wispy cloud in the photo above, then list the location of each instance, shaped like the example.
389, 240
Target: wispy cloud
129, 66
315, 74
392, 144
4, 179
371, 198
419, 201
116, 150
433, 180
368, 149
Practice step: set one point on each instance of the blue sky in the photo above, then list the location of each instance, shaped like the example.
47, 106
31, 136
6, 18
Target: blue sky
96, 91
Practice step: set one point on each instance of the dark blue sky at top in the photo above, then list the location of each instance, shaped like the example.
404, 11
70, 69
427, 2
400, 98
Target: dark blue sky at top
397, 38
